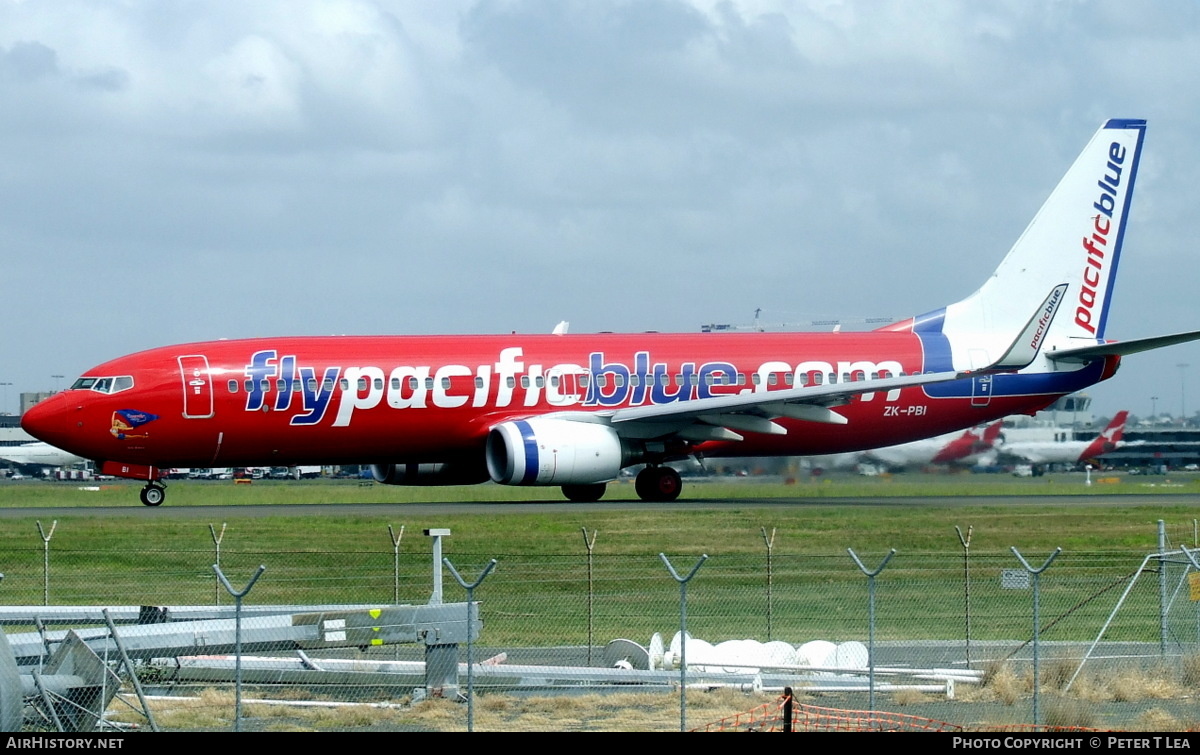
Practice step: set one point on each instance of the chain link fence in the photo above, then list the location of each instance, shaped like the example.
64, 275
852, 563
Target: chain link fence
588, 641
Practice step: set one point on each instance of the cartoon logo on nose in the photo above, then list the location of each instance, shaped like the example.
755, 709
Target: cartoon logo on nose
124, 420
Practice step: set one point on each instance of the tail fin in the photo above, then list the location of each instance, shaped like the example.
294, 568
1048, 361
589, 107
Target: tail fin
1074, 241
991, 433
1107, 440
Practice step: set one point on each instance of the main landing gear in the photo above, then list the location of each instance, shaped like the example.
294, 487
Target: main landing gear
153, 494
658, 483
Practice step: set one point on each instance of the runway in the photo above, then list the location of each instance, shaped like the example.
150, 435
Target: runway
550, 506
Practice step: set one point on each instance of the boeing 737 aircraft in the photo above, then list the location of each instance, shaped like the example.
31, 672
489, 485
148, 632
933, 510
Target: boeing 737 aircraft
574, 410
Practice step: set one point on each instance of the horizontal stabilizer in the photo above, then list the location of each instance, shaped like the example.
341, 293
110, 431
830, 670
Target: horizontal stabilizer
1121, 348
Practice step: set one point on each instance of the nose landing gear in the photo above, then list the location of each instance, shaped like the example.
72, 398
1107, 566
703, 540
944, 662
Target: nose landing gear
153, 494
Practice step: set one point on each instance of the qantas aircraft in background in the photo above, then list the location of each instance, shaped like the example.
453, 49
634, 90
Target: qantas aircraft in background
958, 448
574, 410
955, 448
1041, 452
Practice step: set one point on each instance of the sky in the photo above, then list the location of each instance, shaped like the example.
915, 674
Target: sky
176, 172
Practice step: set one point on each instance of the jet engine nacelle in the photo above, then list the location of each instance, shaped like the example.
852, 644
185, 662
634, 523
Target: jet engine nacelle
553, 452
447, 473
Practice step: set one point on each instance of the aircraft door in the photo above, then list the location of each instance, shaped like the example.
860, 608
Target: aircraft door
197, 387
981, 387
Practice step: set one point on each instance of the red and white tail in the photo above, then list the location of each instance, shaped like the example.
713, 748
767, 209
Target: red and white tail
1108, 440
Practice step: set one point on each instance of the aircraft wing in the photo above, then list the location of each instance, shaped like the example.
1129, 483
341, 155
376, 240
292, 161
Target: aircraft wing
1120, 348
718, 418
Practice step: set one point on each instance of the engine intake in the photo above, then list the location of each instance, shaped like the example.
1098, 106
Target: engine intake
553, 452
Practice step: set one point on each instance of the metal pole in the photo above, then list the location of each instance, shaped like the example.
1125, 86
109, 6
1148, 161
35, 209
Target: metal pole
966, 544
1190, 557
770, 578
46, 560
217, 554
133, 677
237, 638
590, 545
1162, 588
395, 562
470, 588
683, 582
1036, 620
437, 534
871, 619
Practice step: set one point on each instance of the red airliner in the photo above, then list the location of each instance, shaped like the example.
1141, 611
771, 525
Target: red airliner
574, 410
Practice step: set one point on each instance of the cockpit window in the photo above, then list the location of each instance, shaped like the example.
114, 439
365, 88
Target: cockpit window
103, 384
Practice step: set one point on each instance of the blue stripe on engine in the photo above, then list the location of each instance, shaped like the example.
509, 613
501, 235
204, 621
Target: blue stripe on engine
531, 452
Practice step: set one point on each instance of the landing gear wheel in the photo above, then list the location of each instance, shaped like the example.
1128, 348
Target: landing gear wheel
659, 484
585, 493
153, 494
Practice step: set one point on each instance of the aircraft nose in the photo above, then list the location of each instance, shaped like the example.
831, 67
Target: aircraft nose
48, 420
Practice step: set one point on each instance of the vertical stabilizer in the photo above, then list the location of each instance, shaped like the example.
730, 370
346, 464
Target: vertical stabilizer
1074, 241
1107, 440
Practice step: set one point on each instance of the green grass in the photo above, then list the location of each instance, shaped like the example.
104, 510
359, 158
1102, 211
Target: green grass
537, 594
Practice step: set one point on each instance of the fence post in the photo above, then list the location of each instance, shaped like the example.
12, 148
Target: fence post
590, 545
470, 588
217, 555
683, 582
871, 619
46, 560
1037, 573
237, 638
1162, 588
966, 544
770, 578
395, 562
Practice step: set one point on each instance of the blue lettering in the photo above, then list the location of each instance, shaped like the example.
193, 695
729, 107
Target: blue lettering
260, 369
619, 378
659, 393
315, 394
641, 370
715, 373
287, 373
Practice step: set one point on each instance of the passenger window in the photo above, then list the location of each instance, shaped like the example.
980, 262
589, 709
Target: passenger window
233, 386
